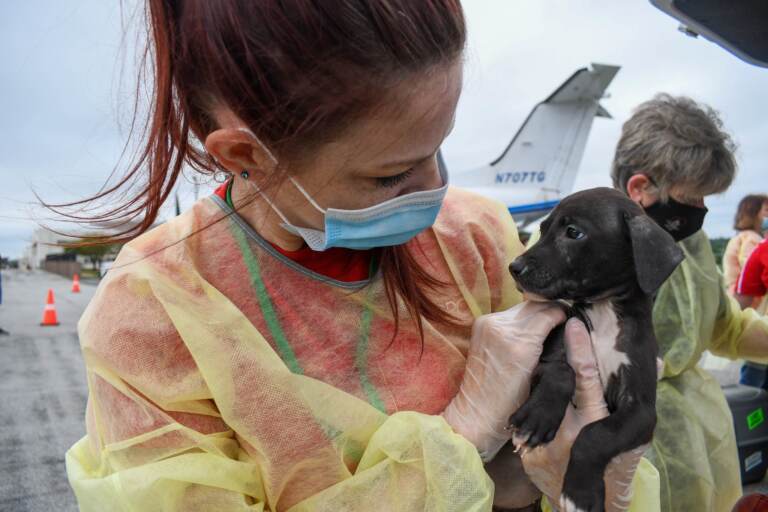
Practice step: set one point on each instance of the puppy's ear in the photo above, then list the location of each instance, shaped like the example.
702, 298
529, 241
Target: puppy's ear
654, 250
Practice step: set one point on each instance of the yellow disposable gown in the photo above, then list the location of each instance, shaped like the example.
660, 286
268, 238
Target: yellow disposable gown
225, 377
694, 446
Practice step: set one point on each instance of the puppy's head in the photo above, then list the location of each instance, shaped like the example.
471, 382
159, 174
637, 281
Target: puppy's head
596, 244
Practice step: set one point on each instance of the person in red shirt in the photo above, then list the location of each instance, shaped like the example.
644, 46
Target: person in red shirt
753, 280
750, 291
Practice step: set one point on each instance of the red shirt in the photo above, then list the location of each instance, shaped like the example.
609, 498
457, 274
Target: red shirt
347, 265
753, 280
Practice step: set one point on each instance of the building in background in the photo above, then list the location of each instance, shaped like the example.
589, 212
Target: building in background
43, 242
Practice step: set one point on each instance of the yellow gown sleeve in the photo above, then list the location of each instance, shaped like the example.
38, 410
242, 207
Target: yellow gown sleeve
162, 464
412, 461
739, 333
155, 440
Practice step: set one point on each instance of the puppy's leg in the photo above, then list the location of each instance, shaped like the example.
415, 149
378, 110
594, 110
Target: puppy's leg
628, 427
552, 387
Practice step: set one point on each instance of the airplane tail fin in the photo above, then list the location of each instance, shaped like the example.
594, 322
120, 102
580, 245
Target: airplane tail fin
546, 151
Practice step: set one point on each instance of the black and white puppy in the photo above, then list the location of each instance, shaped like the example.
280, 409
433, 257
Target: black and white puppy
602, 256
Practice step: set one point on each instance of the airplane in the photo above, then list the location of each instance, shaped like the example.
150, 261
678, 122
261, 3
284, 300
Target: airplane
539, 166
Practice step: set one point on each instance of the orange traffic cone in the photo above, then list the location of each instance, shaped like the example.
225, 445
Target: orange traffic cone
49, 314
76, 284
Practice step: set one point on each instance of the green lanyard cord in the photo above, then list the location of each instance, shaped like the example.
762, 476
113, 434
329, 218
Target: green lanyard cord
361, 351
228, 197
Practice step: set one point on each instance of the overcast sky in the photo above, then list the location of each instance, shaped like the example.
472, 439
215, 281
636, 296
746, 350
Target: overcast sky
63, 101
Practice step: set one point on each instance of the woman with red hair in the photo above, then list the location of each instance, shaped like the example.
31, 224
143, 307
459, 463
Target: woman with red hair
335, 328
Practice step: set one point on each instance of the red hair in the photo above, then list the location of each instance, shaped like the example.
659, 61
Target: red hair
297, 73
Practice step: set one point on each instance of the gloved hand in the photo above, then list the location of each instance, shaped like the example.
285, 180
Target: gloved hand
546, 464
503, 352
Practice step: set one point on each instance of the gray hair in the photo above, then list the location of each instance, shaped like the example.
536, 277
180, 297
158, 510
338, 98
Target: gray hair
679, 144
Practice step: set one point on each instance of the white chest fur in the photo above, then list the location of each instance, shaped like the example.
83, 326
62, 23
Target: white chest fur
605, 330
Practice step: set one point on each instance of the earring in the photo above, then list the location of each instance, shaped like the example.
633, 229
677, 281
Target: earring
245, 174
221, 176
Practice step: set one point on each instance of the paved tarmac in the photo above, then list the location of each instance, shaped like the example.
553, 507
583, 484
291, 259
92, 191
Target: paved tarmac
42, 382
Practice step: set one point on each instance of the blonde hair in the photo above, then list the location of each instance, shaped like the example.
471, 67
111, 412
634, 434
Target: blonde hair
679, 144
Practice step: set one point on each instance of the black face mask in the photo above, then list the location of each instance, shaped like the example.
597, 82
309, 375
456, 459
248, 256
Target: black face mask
678, 219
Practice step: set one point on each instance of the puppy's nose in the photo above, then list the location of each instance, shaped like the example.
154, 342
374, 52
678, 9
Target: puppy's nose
518, 267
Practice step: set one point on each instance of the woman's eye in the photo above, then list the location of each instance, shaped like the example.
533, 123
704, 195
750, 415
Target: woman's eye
574, 233
392, 181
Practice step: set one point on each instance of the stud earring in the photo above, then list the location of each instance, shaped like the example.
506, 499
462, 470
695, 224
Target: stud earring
245, 174
221, 176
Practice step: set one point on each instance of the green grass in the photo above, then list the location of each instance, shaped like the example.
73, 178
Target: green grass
88, 272
718, 247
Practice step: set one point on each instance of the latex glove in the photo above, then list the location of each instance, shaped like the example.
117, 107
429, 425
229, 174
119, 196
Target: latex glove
504, 350
546, 464
742, 334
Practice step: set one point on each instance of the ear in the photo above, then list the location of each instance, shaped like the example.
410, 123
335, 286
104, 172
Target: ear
641, 190
238, 148
655, 252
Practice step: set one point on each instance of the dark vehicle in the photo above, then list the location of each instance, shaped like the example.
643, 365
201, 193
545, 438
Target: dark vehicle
739, 27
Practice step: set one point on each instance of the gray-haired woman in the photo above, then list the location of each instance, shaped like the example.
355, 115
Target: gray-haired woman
673, 153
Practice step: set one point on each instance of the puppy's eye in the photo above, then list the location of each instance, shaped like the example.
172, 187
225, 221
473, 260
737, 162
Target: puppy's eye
574, 233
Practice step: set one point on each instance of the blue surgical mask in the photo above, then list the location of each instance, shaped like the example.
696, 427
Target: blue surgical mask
765, 224
392, 222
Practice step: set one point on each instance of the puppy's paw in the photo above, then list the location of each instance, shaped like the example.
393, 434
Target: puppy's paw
583, 496
535, 423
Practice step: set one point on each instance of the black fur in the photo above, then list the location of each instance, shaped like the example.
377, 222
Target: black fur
597, 245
